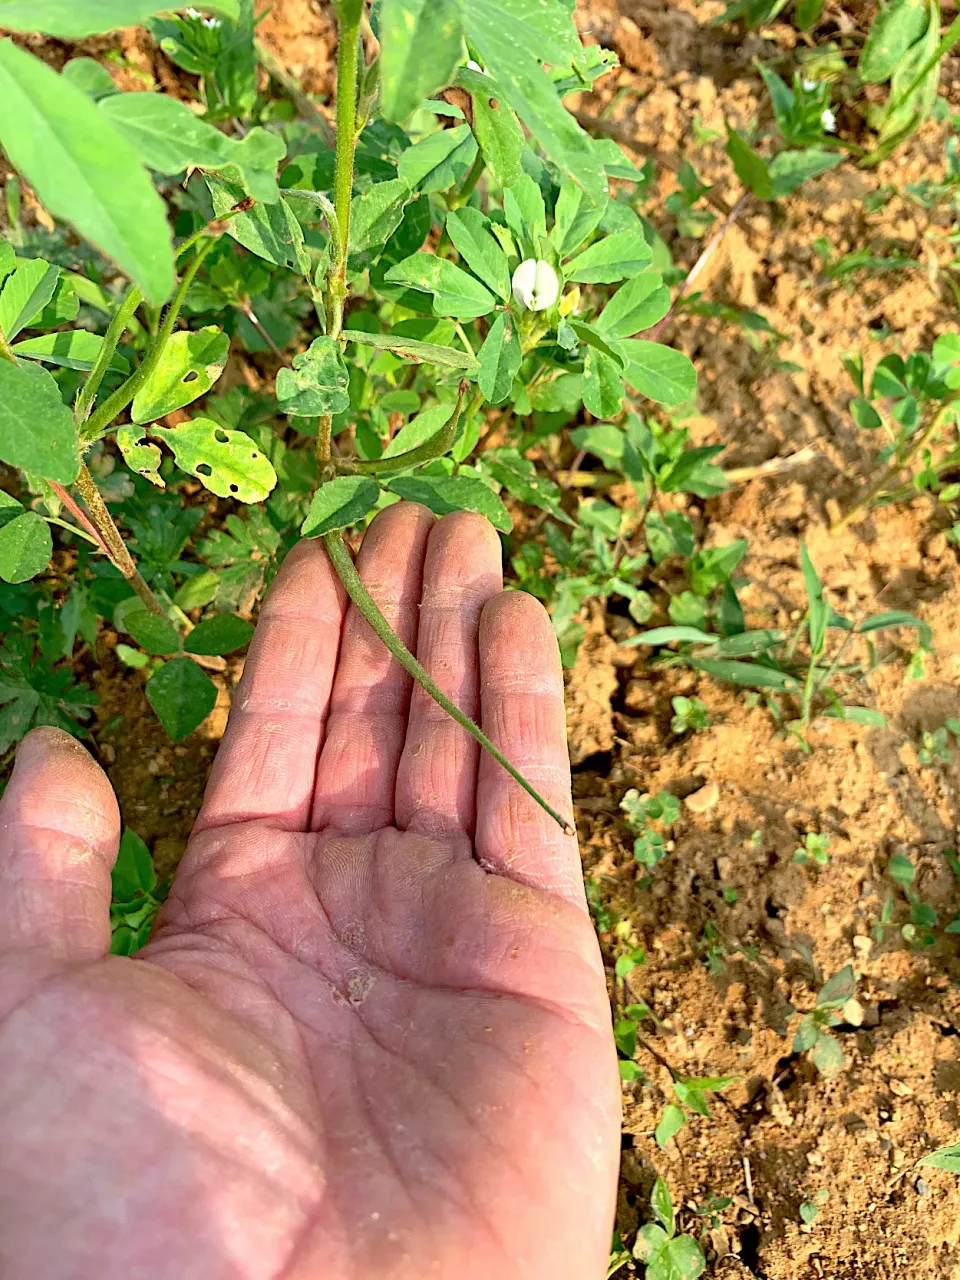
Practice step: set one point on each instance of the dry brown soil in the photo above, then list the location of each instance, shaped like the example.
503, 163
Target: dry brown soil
724, 979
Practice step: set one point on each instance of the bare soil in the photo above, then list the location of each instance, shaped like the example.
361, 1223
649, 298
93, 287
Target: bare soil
725, 978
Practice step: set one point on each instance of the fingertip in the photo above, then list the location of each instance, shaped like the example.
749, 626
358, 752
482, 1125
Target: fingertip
516, 632
56, 782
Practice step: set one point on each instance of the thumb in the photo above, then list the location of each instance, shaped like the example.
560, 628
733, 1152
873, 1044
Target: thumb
59, 832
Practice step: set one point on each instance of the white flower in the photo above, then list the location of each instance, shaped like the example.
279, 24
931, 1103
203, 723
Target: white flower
194, 13
810, 86
212, 23
829, 121
475, 66
535, 285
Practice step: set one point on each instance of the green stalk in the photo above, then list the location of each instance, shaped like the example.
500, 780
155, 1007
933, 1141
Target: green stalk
469, 183
6, 352
358, 593
431, 449
116, 547
115, 404
118, 326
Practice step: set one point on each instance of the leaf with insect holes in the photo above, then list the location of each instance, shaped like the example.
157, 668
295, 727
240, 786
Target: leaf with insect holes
638, 305
500, 359
76, 19
268, 230
418, 352
317, 383
469, 232
443, 494
170, 138
228, 463
144, 459
495, 125
182, 696
25, 547
421, 42
602, 385
576, 217
439, 161
455, 293
340, 503
83, 170
191, 363
71, 349
660, 373
223, 633
616, 257
898, 25
154, 634
25, 294
37, 431
511, 37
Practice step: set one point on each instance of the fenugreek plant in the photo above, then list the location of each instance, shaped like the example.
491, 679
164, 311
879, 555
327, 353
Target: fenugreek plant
457, 242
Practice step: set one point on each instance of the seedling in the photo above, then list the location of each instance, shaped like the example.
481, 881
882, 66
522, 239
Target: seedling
666, 1255
815, 848
691, 1098
689, 715
835, 1003
137, 896
644, 814
936, 746
810, 1209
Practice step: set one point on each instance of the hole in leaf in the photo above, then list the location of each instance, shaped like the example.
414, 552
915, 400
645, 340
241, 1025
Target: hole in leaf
204, 469
221, 436
234, 488
192, 376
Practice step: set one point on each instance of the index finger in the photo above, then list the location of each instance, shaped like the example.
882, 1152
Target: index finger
267, 763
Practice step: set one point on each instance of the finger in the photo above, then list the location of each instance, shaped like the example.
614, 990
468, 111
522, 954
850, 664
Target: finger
437, 778
267, 763
356, 775
59, 833
521, 705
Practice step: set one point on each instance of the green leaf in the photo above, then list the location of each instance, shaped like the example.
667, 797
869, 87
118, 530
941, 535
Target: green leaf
418, 352
602, 385
819, 611
169, 138
25, 547
37, 431
671, 1122
340, 503
191, 363
750, 168
519, 476
228, 463
615, 257
269, 230
500, 359
495, 126
182, 696
419, 429
660, 373
443, 494
469, 232
72, 349
8, 258
858, 715
666, 635
133, 872
421, 44
155, 635
864, 414
749, 675
827, 1054
576, 217
374, 216
83, 170
76, 19
791, 169
439, 161
317, 383
898, 618
144, 459
25, 294
510, 44
662, 1205
222, 633
638, 305
947, 1158
682, 1259
525, 212
455, 293
897, 26
90, 76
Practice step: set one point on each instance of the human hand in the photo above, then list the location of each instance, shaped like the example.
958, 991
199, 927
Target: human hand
370, 1038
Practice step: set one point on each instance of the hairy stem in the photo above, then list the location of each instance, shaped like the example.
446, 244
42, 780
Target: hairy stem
112, 539
346, 571
114, 405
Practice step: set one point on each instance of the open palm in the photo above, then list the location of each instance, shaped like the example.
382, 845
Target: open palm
370, 1039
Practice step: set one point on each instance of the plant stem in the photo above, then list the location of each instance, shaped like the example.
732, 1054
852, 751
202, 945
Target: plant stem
115, 404
469, 183
895, 468
6, 352
118, 325
431, 449
113, 540
358, 593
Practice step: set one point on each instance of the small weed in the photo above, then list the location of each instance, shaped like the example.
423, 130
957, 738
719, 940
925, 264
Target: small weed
136, 894
810, 1209
689, 715
815, 848
691, 1097
666, 1255
936, 746
835, 1003
643, 811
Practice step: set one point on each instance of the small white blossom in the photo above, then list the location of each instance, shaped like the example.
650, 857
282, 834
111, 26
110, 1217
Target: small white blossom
829, 121
810, 86
194, 13
475, 66
212, 23
535, 285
